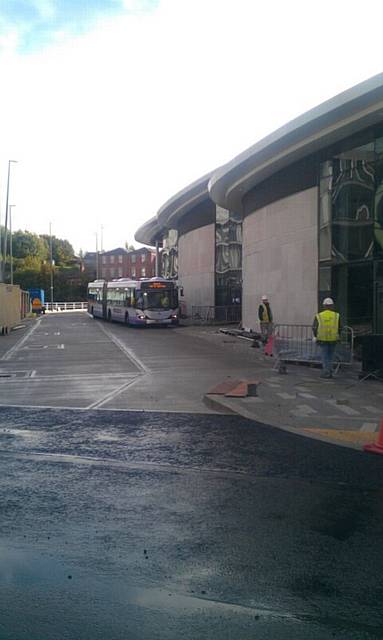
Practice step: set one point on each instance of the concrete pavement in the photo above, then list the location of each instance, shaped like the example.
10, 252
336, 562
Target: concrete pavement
345, 410
72, 361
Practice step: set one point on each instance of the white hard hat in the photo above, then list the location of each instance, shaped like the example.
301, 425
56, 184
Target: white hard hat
264, 298
328, 301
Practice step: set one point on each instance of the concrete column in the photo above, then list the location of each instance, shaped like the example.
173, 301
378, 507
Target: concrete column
157, 259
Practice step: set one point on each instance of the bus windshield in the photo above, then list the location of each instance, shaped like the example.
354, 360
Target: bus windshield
165, 299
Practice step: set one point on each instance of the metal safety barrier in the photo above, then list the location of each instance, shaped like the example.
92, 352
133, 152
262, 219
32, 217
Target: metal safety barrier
65, 306
213, 315
294, 343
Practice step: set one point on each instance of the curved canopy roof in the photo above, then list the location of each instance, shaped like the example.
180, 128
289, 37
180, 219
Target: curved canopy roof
173, 210
335, 119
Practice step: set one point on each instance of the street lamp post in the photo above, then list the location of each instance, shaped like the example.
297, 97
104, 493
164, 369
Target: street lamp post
11, 240
97, 267
2, 274
51, 257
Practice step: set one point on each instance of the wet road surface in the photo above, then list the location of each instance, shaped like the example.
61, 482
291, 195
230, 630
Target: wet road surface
142, 525
129, 511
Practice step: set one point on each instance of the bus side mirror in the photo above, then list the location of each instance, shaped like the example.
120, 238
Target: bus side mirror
181, 291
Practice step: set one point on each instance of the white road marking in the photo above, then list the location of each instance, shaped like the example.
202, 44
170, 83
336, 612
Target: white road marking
61, 346
113, 394
308, 395
128, 352
304, 410
344, 408
369, 426
287, 396
373, 410
8, 355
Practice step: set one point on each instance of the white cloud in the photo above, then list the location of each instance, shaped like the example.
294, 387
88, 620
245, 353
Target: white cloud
110, 125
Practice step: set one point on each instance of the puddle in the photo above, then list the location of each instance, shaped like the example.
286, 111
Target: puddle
27, 434
104, 436
20, 568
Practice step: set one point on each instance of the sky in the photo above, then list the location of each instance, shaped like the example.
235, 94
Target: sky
110, 107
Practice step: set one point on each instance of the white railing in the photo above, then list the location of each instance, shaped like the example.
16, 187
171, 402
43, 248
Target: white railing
66, 306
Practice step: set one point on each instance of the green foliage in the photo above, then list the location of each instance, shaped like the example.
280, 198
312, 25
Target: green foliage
32, 266
26, 244
129, 247
62, 250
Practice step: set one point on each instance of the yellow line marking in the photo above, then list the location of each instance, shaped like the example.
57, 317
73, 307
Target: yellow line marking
343, 435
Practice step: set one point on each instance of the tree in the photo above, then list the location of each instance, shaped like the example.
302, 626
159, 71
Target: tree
62, 250
26, 244
129, 247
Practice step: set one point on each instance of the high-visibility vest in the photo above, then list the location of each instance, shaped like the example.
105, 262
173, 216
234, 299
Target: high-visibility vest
328, 326
265, 314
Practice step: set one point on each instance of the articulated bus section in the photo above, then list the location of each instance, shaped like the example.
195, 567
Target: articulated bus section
150, 301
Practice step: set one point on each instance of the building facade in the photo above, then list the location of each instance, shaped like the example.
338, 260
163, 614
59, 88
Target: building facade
121, 263
297, 216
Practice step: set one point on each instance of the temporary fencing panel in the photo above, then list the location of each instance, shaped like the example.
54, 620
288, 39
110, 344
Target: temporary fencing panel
295, 343
212, 315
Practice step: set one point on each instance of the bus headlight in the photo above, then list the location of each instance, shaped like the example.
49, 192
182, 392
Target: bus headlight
174, 316
141, 317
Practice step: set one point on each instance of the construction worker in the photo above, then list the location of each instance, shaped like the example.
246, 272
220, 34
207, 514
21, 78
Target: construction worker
265, 318
326, 329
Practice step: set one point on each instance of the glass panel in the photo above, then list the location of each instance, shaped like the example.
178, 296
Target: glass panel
351, 224
379, 148
228, 258
353, 197
325, 243
325, 279
325, 201
169, 254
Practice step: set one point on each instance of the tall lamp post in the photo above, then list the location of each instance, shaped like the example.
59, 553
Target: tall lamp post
2, 273
51, 258
11, 239
97, 267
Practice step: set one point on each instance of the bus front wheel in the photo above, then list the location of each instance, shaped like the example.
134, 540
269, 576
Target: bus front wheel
127, 318
109, 316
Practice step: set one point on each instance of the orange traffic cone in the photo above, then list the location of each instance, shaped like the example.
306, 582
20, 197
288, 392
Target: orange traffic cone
376, 447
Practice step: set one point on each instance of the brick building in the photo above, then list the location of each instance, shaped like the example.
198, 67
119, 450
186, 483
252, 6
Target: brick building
120, 263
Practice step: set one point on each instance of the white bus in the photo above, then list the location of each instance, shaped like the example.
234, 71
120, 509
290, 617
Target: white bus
97, 298
149, 301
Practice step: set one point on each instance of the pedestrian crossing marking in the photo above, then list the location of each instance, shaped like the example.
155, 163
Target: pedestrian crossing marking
373, 409
369, 427
304, 410
344, 408
286, 396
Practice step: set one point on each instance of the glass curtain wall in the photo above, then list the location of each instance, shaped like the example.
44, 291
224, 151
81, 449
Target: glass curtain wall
228, 258
169, 255
351, 234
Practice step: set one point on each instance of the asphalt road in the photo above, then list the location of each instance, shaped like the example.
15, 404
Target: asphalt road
152, 524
